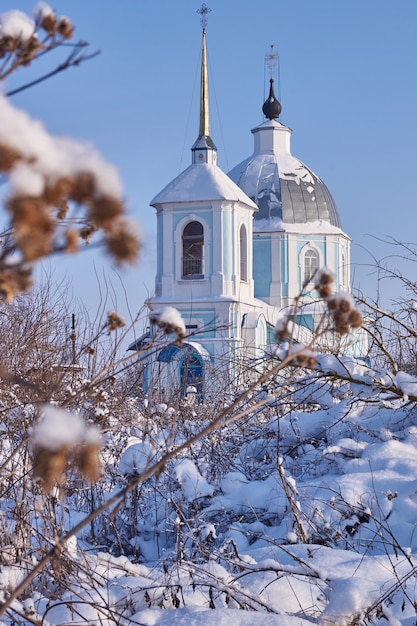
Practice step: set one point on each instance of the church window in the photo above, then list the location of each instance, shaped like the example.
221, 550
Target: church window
243, 254
192, 251
311, 264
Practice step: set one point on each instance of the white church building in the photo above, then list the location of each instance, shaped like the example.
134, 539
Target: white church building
234, 250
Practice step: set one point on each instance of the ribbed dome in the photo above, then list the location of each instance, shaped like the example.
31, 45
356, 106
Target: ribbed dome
284, 189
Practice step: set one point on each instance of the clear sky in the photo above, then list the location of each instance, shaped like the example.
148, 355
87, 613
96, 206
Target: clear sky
347, 86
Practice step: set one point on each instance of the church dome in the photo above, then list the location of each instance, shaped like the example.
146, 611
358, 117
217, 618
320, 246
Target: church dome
285, 190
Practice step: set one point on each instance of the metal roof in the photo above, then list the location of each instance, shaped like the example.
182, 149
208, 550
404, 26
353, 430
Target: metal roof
295, 196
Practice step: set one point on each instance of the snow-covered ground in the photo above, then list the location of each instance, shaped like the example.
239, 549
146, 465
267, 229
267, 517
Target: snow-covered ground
301, 512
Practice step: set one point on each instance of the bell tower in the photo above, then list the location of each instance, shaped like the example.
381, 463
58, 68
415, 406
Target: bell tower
204, 243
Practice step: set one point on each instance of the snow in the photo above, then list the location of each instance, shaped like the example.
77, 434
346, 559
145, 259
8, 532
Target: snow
16, 24
42, 10
170, 316
50, 157
193, 485
202, 181
198, 616
276, 224
407, 384
60, 428
304, 512
291, 168
24, 180
136, 458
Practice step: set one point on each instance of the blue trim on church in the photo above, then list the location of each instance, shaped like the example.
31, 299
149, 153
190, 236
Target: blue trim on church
262, 267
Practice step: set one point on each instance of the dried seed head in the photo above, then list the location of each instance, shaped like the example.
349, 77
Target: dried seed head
355, 319
154, 317
114, 320
28, 50
62, 211
342, 308
343, 329
323, 282
33, 226
87, 232
33, 44
170, 321
123, 243
58, 191
305, 358
50, 23
345, 305
105, 210
72, 238
332, 303
339, 316
60, 439
8, 157
13, 281
49, 465
87, 460
23, 277
35, 244
180, 332
324, 291
283, 329
169, 329
65, 28
83, 187
9, 44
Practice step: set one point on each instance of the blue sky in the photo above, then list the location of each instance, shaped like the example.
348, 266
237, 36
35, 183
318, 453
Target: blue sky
347, 86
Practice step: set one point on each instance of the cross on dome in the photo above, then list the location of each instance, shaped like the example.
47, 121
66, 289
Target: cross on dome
271, 59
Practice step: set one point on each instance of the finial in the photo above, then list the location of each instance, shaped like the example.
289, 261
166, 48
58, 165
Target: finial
271, 60
203, 10
272, 106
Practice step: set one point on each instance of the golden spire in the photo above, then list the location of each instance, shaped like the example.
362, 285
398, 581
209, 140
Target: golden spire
204, 150
204, 100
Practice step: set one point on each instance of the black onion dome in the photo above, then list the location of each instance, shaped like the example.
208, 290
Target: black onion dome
272, 107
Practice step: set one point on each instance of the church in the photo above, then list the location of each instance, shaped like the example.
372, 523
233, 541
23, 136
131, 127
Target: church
234, 251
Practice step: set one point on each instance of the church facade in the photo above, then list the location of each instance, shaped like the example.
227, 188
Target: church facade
234, 250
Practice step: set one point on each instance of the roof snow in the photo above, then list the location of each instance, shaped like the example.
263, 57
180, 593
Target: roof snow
274, 224
202, 181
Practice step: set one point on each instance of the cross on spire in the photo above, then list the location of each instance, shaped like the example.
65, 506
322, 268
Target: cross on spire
203, 11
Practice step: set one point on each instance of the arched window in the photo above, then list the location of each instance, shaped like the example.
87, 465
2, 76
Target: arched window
311, 264
243, 254
192, 251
